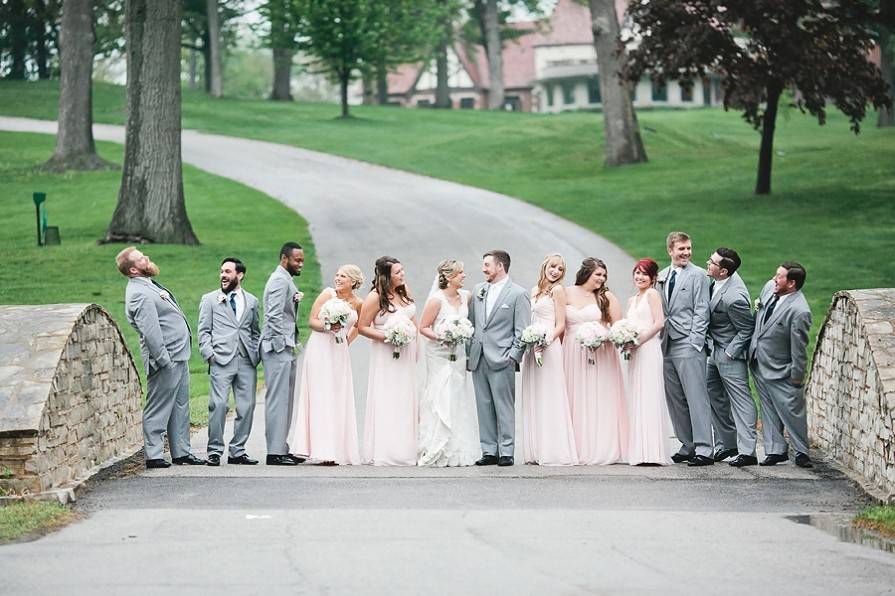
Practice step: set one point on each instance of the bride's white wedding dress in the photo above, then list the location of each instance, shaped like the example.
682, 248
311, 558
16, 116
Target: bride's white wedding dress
448, 428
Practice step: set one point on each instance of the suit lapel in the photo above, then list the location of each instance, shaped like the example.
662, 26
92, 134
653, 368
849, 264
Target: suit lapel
498, 302
778, 310
678, 284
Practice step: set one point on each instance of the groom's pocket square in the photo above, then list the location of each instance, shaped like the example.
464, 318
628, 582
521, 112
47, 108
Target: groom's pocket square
504, 306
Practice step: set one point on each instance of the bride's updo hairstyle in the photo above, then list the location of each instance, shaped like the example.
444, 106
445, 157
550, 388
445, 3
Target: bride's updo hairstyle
382, 283
545, 286
588, 266
353, 273
447, 269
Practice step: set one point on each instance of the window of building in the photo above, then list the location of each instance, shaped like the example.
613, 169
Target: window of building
568, 93
549, 91
660, 91
593, 90
686, 91
512, 103
467, 103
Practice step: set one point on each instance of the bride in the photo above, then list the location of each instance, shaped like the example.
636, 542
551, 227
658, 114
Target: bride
448, 429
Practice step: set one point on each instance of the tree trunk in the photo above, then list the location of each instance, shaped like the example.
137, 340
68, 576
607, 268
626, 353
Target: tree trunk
194, 59
40, 39
381, 84
622, 144
442, 88
18, 42
282, 74
766, 152
886, 115
343, 84
75, 149
214, 38
369, 91
495, 58
150, 202
206, 60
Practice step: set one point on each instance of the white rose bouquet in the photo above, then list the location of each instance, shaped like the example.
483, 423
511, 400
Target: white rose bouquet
535, 336
624, 334
453, 331
335, 311
591, 336
399, 332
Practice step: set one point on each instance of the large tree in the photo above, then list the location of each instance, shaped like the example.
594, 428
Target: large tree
216, 83
16, 17
816, 49
75, 149
886, 41
623, 144
198, 35
150, 202
280, 16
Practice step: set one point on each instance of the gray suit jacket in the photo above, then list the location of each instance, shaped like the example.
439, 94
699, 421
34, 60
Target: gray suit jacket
687, 314
278, 332
730, 318
220, 334
164, 331
779, 346
499, 337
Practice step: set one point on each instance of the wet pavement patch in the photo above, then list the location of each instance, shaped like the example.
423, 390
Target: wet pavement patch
841, 527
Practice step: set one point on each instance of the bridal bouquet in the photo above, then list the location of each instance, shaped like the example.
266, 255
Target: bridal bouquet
335, 311
624, 335
399, 332
453, 331
535, 336
590, 335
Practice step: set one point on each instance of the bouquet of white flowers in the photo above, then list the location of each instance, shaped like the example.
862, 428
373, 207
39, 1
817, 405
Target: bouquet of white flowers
535, 336
399, 332
624, 334
453, 331
335, 311
591, 336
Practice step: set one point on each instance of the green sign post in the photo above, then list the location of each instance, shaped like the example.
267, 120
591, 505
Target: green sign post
40, 212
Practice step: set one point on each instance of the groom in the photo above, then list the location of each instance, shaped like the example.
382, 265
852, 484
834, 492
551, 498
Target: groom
499, 311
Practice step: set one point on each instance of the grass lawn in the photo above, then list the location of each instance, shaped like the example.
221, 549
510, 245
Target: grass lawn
230, 220
879, 519
23, 518
833, 206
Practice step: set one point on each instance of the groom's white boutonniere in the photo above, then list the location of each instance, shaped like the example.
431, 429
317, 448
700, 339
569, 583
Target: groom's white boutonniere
164, 295
757, 303
222, 297
296, 297
483, 291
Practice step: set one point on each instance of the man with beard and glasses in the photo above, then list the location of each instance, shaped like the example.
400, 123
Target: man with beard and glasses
165, 345
279, 340
228, 341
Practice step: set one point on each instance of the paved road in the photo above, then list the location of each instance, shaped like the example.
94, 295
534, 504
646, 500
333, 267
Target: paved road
526, 529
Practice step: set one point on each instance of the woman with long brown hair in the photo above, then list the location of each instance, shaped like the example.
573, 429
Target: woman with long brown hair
390, 426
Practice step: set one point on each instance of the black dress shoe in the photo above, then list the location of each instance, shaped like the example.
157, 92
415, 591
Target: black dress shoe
280, 460
295, 458
742, 461
157, 463
700, 460
189, 460
487, 460
680, 458
214, 459
803, 461
723, 454
243, 460
505, 460
774, 459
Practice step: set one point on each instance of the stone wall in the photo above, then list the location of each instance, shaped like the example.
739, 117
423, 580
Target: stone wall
69, 396
851, 392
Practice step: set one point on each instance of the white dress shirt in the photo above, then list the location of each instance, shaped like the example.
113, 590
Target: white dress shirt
240, 302
493, 292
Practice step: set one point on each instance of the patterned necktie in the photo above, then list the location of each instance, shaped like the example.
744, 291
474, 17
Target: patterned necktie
769, 309
233, 302
671, 283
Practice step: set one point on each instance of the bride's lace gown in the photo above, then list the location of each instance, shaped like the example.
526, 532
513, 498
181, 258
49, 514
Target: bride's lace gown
448, 428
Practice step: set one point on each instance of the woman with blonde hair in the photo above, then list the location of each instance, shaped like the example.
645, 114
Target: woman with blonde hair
324, 426
546, 421
449, 426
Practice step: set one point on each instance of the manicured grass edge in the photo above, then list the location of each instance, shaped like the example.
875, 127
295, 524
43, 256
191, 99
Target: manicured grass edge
879, 519
21, 521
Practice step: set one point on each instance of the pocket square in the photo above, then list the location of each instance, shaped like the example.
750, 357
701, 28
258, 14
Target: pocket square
504, 306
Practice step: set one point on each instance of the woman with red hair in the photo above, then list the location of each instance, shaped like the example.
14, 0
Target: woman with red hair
650, 423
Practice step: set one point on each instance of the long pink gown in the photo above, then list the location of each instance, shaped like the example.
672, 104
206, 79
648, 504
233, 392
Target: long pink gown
390, 428
324, 424
596, 393
650, 423
546, 422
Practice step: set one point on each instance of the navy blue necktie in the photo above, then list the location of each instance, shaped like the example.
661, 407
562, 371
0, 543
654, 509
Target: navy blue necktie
233, 302
671, 283
770, 309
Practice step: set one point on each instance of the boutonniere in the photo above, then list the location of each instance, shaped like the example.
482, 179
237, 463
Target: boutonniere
164, 295
296, 297
483, 291
757, 303
222, 297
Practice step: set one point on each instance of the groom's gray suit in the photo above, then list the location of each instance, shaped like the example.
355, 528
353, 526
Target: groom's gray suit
492, 355
683, 341
233, 346
165, 345
278, 340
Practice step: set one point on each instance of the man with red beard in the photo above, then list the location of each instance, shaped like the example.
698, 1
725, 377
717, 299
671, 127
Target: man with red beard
165, 345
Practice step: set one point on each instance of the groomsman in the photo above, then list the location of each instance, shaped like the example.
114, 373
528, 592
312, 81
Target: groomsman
228, 340
685, 298
778, 357
727, 375
165, 346
279, 340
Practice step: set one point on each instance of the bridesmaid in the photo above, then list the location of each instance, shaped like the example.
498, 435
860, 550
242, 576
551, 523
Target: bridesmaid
595, 390
546, 422
390, 427
324, 424
650, 423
